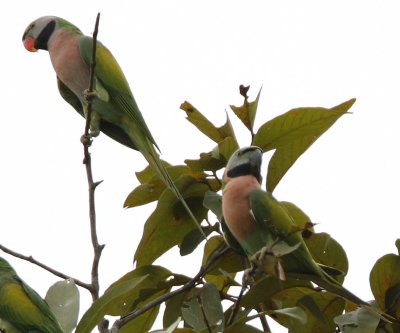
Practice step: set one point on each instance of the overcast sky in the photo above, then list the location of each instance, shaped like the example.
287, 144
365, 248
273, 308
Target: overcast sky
303, 53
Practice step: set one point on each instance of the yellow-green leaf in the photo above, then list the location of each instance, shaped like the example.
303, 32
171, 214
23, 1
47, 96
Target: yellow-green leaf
216, 134
169, 223
385, 275
247, 112
292, 133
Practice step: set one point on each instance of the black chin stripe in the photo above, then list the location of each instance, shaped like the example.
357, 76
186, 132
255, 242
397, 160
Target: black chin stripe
240, 170
43, 38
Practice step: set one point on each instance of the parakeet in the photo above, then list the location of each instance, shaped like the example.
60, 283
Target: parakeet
114, 111
259, 223
21, 306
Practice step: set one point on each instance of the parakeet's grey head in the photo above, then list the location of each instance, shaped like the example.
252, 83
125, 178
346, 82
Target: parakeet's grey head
245, 161
38, 33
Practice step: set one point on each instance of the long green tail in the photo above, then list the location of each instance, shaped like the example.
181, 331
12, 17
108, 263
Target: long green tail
155, 163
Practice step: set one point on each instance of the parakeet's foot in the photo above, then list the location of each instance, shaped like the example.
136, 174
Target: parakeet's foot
86, 140
248, 276
89, 96
269, 262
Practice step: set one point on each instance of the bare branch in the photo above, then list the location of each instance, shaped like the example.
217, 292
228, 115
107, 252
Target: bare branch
45, 267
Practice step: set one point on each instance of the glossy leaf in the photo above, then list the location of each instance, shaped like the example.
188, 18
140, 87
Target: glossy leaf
292, 133
169, 223
384, 275
247, 112
63, 299
216, 134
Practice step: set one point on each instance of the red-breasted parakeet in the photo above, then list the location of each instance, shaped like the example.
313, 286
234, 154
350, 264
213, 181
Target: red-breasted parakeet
115, 111
259, 223
21, 306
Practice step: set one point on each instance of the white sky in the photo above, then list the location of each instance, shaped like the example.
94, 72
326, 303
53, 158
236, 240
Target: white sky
308, 53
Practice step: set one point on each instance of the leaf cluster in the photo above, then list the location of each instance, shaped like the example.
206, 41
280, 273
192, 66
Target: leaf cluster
215, 300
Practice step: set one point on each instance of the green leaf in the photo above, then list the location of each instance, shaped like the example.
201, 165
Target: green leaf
247, 112
241, 328
216, 134
292, 133
63, 299
169, 223
385, 275
267, 288
193, 314
101, 306
293, 313
213, 201
216, 159
212, 306
327, 251
171, 328
145, 321
173, 309
156, 281
194, 238
152, 186
230, 262
359, 321
320, 308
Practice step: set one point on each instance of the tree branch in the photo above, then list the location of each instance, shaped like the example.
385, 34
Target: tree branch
45, 267
163, 298
97, 248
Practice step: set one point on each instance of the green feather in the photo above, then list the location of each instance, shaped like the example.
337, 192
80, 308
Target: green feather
21, 306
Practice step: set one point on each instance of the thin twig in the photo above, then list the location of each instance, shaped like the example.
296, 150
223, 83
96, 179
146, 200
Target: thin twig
97, 248
263, 319
45, 267
187, 286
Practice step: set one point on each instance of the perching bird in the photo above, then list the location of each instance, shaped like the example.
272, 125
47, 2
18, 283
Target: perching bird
21, 306
114, 110
259, 223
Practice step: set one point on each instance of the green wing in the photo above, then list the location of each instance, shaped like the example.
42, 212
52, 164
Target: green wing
111, 77
106, 127
277, 225
24, 308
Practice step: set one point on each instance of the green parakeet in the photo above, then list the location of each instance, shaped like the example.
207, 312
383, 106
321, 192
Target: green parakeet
115, 111
21, 306
259, 223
